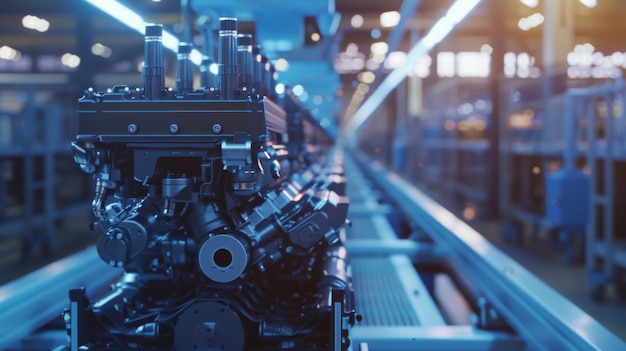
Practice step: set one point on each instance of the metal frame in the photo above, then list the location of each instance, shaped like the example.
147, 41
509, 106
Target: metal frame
432, 332
542, 317
30, 302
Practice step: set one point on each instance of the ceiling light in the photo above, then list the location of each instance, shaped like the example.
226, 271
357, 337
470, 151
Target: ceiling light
589, 3
486, 49
356, 21
70, 60
379, 48
389, 19
352, 49
136, 22
8, 53
281, 65
280, 88
530, 3
367, 77
315, 36
298, 90
101, 50
35, 23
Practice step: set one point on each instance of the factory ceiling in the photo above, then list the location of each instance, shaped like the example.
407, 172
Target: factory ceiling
75, 26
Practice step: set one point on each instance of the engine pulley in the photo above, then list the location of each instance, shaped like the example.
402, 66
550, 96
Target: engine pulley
209, 325
223, 257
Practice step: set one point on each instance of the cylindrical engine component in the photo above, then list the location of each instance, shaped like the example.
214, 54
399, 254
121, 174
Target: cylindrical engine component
125, 240
223, 257
244, 52
207, 78
266, 76
257, 64
122, 243
335, 275
227, 52
204, 219
273, 79
153, 70
184, 69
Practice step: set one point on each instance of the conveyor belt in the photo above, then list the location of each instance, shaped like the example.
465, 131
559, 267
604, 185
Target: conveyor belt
398, 311
379, 299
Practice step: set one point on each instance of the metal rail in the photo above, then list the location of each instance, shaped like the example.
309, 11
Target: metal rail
28, 303
541, 316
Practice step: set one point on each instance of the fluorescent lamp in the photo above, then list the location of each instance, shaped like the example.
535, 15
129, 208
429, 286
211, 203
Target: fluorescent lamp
455, 14
589, 3
530, 3
136, 22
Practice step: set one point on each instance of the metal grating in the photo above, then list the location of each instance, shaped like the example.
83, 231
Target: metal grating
380, 296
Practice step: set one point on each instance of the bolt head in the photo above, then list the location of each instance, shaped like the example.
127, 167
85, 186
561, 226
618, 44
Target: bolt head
132, 128
217, 128
174, 128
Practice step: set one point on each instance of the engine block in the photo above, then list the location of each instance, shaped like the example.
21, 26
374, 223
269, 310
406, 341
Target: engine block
223, 208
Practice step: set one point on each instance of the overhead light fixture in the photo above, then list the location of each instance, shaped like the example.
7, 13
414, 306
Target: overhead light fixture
8, 53
136, 22
280, 88
281, 65
99, 49
379, 48
35, 23
486, 49
356, 21
455, 14
70, 60
530, 3
589, 3
389, 19
366, 77
532, 21
298, 90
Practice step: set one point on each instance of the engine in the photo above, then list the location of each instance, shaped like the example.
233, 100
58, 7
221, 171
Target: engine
224, 206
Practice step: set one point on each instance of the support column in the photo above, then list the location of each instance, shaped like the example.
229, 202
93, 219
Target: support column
558, 41
498, 36
558, 32
415, 105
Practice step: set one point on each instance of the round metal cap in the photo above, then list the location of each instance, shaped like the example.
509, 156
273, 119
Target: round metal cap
223, 258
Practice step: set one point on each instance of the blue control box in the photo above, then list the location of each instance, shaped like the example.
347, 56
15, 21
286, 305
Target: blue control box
567, 198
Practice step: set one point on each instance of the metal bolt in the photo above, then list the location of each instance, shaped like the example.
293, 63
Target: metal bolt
119, 236
132, 128
217, 128
174, 128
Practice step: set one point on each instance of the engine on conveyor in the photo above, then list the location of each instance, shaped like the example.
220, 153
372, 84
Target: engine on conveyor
224, 209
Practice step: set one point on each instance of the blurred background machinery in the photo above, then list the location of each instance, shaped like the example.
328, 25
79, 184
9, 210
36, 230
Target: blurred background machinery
508, 114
